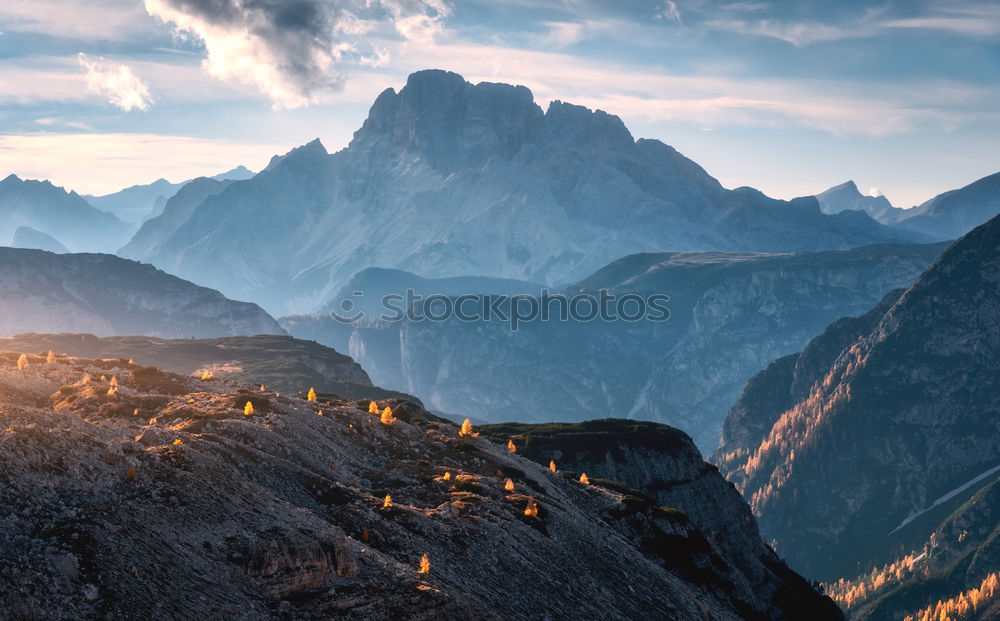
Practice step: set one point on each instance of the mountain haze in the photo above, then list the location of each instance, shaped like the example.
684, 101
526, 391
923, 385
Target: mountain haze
446, 178
63, 215
106, 295
730, 314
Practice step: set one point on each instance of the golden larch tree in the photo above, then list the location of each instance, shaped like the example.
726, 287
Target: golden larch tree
466, 429
387, 417
22, 362
312, 395
511, 446
425, 565
248, 409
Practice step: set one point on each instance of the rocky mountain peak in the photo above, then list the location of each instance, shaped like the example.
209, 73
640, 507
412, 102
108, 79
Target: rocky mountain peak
450, 122
583, 126
306, 155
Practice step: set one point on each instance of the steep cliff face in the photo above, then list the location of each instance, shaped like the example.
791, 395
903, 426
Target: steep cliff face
104, 295
731, 314
446, 178
197, 507
881, 435
662, 465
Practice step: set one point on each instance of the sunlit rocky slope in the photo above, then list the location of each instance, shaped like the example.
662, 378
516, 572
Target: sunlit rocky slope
855, 450
132, 493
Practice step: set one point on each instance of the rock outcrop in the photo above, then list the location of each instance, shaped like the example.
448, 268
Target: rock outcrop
128, 492
282, 363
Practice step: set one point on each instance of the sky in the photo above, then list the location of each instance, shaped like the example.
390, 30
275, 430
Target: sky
788, 97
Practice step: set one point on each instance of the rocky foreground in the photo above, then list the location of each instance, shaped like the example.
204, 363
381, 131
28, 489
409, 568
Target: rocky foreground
128, 492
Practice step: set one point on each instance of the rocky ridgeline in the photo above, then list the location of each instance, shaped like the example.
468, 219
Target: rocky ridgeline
280, 362
730, 315
105, 295
447, 178
129, 492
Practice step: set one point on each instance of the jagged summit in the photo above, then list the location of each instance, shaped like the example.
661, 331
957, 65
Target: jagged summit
447, 178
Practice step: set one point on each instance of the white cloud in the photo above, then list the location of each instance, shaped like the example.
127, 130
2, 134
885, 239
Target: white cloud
116, 82
297, 53
639, 93
796, 33
670, 11
90, 20
874, 192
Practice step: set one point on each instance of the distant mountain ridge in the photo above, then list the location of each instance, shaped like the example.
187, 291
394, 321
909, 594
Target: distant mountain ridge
64, 216
948, 215
847, 196
731, 313
446, 178
137, 203
106, 295
27, 237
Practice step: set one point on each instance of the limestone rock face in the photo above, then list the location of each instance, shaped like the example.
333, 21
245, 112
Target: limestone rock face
313, 510
447, 178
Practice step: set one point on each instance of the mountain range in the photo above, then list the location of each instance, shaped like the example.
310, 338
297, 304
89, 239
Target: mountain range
59, 215
138, 203
446, 178
946, 216
730, 314
855, 451
106, 295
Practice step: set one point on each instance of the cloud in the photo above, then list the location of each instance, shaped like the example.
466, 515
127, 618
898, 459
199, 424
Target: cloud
91, 20
839, 107
796, 33
670, 11
297, 51
965, 19
116, 82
